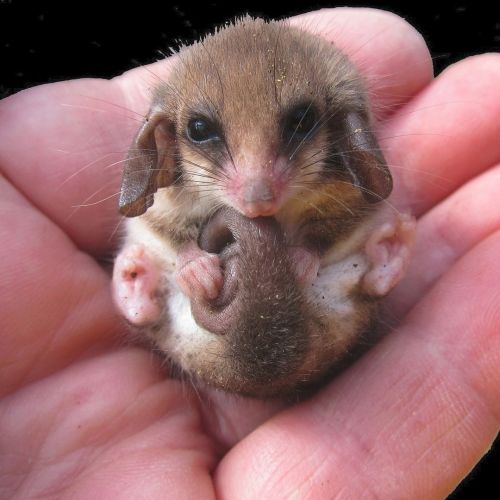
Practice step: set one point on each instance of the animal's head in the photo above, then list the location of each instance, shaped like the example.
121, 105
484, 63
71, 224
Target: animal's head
257, 116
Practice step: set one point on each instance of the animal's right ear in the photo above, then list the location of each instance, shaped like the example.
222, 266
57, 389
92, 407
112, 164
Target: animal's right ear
150, 164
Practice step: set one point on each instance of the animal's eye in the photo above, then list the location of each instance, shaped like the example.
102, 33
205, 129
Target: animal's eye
299, 123
202, 130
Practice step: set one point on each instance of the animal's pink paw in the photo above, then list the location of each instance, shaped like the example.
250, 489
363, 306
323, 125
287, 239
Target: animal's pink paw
135, 285
305, 264
199, 273
388, 250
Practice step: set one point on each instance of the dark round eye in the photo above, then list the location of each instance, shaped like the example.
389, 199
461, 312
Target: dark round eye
202, 130
299, 123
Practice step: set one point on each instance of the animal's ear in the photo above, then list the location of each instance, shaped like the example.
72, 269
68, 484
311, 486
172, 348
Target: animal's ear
364, 160
150, 165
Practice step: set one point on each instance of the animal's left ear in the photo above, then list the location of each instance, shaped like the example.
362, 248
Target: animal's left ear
364, 161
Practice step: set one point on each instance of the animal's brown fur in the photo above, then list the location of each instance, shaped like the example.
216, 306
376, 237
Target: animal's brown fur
245, 78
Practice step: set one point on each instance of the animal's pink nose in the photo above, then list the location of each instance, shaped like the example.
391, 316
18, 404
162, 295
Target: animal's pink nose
256, 191
257, 197
258, 209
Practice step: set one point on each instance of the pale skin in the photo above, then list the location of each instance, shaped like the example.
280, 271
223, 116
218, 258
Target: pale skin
85, 416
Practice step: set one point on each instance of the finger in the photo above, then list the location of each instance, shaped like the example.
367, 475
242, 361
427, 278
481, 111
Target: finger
446, 135
408, 421
446, 233
63, 148
64, 143
55, 301
391, 55
103, 427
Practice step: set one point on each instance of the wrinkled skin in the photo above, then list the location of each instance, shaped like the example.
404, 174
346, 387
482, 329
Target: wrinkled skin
84, 415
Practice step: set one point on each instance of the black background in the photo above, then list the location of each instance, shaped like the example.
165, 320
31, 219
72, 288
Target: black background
48, 41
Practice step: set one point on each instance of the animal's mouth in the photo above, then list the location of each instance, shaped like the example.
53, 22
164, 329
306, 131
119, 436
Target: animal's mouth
226, 227
215, 235
226, 234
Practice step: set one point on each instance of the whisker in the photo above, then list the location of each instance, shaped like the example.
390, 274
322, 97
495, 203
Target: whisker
209, 158
203, 176
319, 123
299, 124
203, 168
123, 161
97, 110
96, 202
145, 67
218, 174
307, 201
194, 182
320, 150
361, 188
115, 230
328, 195
119, 106
85, 167
205, 190
214, 209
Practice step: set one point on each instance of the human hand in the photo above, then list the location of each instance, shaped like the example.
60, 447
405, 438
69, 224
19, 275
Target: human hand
85, 416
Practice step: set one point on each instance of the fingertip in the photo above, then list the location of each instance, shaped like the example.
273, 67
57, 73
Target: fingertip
487, 64
390, 53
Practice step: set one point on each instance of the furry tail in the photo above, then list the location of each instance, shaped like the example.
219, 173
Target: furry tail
260, 310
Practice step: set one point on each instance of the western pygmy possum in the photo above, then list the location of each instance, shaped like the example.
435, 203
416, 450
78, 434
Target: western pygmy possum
257, 242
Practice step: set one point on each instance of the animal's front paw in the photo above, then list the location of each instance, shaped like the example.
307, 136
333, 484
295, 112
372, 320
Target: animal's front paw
388, 251
305, 265
136, 279
199, 273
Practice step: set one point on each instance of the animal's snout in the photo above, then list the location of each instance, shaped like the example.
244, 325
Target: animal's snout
257, 191
258, 197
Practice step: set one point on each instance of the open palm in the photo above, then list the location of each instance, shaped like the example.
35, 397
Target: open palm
83, 415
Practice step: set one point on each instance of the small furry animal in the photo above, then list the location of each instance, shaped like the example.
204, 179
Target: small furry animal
256, 243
